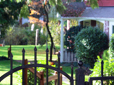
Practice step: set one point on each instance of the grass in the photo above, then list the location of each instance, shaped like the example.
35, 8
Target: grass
29, 52
5, 67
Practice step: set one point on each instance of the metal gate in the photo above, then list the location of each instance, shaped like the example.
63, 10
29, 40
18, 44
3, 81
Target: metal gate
35, 65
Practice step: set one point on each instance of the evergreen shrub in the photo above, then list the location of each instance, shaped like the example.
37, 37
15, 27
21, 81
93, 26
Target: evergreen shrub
89, 43
69, 38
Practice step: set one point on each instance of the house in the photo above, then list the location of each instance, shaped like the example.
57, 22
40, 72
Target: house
102, 17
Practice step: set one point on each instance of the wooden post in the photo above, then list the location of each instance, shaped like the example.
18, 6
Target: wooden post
60, 77
9, 51
25, 71
42, 78
68, 24
56, 79
36, 38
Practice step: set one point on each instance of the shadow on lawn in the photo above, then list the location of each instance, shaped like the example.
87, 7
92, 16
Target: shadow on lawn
3, 58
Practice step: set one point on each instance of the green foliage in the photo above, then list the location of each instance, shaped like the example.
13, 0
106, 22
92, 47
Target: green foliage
55, 31
88, 43
69, 37
9, 12
24, 11
112, 43
16, 36
108, 68
24, 36
59, 7
42, 39
94, 4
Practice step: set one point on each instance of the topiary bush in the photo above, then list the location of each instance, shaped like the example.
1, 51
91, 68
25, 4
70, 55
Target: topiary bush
89, 43
69, 38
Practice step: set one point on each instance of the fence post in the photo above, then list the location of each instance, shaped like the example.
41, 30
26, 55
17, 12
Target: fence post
25, 72
9, 51
42, 78
79, 74
56, 79
11, 67
102, 71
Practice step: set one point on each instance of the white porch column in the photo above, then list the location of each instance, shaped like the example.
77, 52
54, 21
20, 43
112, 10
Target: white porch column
68, 24
106, 29
62, 42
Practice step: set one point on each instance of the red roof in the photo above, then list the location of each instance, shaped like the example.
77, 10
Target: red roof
106, 2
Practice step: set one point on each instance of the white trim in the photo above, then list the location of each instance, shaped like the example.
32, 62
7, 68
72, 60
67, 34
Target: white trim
111, 23
88, 18
62, 41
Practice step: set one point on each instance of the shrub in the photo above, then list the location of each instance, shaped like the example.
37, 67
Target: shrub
42, 39
112, 45
23, 36
16, 36
55, 30
69, 37
89, 42
107, 71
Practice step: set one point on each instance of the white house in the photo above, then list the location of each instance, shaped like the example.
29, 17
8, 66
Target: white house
102, 17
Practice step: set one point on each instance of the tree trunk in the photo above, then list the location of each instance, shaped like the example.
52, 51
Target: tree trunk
49, 33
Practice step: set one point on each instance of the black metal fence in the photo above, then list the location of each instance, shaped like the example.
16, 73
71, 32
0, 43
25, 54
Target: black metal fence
35, 65
102, 77
80, 72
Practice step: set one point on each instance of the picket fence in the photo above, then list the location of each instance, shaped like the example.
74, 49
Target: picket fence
69, 56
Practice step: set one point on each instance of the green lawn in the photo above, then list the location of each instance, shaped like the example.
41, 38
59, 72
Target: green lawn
29, 52
5, 67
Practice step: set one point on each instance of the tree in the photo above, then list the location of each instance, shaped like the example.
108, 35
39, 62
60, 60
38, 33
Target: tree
9, 12
39, 9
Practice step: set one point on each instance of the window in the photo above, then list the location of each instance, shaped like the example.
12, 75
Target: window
112, 29
78, 0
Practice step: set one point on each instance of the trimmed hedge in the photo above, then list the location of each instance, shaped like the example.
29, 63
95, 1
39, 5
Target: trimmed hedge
89, 43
